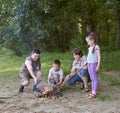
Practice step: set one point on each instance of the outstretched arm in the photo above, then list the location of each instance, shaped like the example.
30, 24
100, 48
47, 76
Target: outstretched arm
30, 69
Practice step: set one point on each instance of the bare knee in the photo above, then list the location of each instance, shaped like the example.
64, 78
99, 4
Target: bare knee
25, 83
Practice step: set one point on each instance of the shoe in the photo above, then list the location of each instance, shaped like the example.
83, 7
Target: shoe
85, 90
21, 88
38, 93
91, 96
35, 88
81, 86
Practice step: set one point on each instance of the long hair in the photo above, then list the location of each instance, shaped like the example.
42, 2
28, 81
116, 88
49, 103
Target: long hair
92, 36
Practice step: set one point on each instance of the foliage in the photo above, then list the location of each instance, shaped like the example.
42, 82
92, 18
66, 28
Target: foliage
110, 61
79, 41
57, 25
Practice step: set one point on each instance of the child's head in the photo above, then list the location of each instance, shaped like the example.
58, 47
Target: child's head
91, 39
77, 53
56, 65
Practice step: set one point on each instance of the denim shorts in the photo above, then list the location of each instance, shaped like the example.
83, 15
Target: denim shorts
83, 73
52, 81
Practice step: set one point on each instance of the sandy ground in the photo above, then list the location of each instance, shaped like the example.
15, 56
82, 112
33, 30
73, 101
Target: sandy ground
73, 100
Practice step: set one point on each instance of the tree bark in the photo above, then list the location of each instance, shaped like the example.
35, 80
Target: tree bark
117, 14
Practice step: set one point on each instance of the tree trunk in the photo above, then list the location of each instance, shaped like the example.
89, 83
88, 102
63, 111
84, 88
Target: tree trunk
117, 13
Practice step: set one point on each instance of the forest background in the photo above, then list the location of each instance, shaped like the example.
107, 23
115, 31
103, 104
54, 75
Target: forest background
58, 25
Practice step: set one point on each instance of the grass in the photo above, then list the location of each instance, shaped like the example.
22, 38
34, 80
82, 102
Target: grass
1, 102
104, 98
110, 62
10, 64
112, 80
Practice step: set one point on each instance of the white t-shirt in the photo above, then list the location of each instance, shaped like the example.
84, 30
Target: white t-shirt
53, 73
92, 57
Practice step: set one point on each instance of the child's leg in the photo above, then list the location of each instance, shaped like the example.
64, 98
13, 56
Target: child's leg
83, 75
52, 81
94, 77
84, 79
74, 79
57, 79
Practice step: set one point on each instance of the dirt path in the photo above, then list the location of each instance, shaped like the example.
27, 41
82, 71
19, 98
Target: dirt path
73, 101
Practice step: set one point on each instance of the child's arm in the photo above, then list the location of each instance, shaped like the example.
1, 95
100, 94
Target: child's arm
48, 80
85, 65
73, 72
60, 78
99, 60
49, 76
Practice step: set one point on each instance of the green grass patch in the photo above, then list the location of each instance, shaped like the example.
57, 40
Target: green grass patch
112, 80
103, 98
10, 64
1, 102
110, 61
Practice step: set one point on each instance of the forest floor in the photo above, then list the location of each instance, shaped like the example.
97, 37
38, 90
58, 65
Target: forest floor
73, 100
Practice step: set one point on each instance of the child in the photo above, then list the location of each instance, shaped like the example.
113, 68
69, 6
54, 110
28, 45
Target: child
79, 70
55, 76
93, 60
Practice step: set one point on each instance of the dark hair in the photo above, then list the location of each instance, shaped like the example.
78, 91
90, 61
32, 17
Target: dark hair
57, 62
77, 51
92, 36
37, 51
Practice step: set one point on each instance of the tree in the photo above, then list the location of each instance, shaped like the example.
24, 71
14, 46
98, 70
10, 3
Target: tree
58, 24
117, 14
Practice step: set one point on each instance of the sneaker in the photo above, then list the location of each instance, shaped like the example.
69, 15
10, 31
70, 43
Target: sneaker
38, 93
35, 88
81, 86
21, 88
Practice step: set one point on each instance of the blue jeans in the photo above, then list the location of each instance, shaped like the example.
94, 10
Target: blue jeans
52, 80
74, 79
77, 77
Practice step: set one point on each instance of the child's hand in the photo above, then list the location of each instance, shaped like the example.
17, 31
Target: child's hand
67, 77
97, 68
73, 70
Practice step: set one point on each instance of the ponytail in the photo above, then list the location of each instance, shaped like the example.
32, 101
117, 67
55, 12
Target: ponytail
92, 36
93, 50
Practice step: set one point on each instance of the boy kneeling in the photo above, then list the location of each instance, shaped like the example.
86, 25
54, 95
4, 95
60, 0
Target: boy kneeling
55, 76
